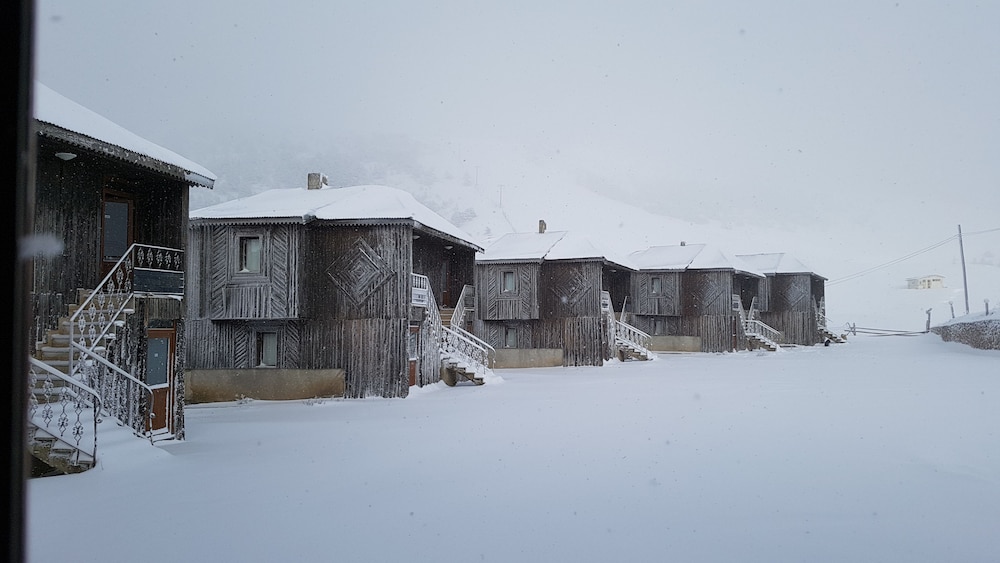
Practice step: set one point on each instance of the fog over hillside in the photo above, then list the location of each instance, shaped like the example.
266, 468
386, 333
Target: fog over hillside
492, 190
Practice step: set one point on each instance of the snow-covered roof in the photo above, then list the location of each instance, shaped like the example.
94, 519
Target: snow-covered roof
775, 263
362, 204
690, 257
54, 109
550, 245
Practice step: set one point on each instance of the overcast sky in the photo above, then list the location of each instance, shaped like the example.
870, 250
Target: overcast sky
871, 111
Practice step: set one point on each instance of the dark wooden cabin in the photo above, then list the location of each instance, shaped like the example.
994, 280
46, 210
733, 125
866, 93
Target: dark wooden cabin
688, 297
110, 223
320, 291
791, 297
539, 299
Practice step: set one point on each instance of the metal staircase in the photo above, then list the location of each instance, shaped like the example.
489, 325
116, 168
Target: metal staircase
822, 323
628, 342
462, 353
756, 331
83, 370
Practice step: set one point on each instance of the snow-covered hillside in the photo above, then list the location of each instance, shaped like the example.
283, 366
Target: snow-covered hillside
489, 190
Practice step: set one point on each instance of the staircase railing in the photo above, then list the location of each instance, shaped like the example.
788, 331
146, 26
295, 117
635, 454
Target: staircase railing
457, 342
94, 319
462, 306
754, 327
64, 408
633, 337
457, 324
123, 397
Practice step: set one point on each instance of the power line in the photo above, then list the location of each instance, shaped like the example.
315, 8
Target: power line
908, 256
896, 261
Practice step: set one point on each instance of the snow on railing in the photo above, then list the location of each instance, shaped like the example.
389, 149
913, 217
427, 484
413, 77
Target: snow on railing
633, 337
420, 288
63, 408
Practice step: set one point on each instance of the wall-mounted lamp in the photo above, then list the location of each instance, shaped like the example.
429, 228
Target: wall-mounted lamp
415, 237
448, 247
66, 155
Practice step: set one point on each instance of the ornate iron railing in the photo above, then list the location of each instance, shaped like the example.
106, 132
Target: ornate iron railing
159, 270
63, 408
475, 355
123, 397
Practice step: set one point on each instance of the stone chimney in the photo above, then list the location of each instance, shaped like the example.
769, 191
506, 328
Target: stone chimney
541, 225
317, 181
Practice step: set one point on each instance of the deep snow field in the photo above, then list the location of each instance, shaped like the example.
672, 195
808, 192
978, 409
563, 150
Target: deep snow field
879, 449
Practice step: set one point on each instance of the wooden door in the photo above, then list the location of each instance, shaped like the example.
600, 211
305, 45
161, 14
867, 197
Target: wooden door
117, 210
161, 346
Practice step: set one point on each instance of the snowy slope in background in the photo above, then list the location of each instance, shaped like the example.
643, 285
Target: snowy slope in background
492, 190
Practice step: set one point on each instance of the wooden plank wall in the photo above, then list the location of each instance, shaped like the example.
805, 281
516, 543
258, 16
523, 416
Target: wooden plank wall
220, 292
667, 302
447, 269
68, 199
797, 327
492, 304
353, 324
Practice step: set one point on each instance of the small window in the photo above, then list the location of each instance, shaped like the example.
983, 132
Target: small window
508, 282
267, 349
509, 337
659, 326
250, 251
656, 285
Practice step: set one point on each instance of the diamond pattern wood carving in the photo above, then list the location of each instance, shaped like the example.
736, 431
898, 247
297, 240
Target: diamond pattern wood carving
359, 272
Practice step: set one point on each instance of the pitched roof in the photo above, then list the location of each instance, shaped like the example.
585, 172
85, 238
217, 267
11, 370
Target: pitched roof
550, 245
776, 263
689, 257
369, 204
95, 132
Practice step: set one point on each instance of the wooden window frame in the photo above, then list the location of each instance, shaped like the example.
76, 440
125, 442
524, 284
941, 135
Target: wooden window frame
503, 281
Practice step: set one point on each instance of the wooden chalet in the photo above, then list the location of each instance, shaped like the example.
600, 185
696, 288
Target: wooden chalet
321, 291
547, 299
792, 298
693, 298
110, 229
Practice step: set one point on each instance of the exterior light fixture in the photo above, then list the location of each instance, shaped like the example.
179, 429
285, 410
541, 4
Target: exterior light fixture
66, 155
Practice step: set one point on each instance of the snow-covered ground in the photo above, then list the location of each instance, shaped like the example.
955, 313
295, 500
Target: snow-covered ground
880, 449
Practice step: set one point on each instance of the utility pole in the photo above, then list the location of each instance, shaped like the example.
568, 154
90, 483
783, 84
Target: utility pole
965, 279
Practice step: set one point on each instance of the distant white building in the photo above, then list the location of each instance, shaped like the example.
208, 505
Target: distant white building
932, 281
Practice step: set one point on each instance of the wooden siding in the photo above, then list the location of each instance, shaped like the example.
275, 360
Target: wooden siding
706, 293
447, 269
68, 198
570, 290
797, 327
557, 305
494, 304
345, 289
791, 292
223, 293
666, 302
357, 272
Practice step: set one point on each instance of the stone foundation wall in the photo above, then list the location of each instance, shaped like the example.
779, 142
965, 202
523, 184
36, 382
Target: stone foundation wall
984, 334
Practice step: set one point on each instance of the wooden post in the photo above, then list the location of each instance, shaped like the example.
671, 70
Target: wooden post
928, 329
965, 279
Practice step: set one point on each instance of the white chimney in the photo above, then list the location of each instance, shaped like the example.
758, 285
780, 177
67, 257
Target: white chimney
541, 225
316, 181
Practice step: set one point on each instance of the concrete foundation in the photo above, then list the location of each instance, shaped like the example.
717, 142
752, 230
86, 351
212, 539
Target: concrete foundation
675, 344
222, 385
528, 357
